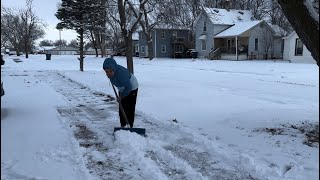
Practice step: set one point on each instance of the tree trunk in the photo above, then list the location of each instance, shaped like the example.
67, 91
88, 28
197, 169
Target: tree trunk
150, 49
129, 52
26, 48
104, 20
103, 45
303, 23
94, 43
81, 49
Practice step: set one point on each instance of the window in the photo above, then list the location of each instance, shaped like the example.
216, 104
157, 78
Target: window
256, 44
203, 45
163, 48
299, 47
204, 26
163, 35
142, 49
174, 34
136, 48
178, 48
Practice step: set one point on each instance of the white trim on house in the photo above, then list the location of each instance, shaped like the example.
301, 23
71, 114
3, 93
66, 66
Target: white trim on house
203, 37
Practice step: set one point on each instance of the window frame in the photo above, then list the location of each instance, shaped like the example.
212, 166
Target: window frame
256, 44
296, 47
163, 49
203, 45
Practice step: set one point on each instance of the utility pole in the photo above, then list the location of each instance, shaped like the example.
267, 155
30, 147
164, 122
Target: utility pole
60, 42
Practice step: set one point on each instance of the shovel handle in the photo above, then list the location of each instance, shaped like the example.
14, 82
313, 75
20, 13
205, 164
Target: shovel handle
121, 108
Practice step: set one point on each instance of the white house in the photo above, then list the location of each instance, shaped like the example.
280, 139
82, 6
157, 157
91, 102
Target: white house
295, 50
235, 35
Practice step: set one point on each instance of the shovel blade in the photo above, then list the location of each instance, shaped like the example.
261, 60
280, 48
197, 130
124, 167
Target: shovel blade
140, 131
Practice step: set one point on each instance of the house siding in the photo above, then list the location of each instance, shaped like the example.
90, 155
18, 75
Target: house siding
158, 42
289, 51
258, 32
211, 31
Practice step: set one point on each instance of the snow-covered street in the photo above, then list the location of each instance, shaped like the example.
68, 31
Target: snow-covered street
203, 119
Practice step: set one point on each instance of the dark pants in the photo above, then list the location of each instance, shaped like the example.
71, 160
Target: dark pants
129, 104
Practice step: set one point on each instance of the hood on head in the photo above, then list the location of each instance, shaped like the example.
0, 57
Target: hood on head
109, 63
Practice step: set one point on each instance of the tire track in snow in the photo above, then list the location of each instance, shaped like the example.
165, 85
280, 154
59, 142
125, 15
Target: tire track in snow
92, 117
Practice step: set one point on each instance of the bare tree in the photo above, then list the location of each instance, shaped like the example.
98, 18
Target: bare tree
305, 21
73, 43
266, 40
11, 26
149, 20
46, 42
59, 42
31, 24
128, 24
276, 17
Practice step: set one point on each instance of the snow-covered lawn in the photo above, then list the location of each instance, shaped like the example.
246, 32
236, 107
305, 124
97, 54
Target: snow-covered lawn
203, 119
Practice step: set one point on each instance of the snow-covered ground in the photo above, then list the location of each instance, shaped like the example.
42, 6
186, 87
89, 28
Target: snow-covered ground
203, 119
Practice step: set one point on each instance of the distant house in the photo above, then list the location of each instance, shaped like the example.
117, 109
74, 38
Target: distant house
92, 51
235, 35
135, 44
63, 50
43, 49
295, 50
173, 43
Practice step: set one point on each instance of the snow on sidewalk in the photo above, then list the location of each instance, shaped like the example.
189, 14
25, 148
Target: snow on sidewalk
34, 142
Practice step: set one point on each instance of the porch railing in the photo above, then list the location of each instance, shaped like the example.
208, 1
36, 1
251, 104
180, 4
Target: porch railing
232, 50
215, 53
178, 39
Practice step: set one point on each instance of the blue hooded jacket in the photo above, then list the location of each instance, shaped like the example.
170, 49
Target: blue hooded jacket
121, 77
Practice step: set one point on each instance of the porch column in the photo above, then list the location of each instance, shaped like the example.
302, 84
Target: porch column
237, 47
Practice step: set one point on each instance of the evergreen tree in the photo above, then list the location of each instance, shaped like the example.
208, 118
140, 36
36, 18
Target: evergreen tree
77, 15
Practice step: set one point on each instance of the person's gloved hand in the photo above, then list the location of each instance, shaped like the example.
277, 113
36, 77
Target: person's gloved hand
120, 97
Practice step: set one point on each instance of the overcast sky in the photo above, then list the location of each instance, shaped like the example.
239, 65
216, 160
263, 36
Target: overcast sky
44, 9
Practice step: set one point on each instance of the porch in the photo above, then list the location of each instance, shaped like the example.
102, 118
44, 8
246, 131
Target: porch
230, 48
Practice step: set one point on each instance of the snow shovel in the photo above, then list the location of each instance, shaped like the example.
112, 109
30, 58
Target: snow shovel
141, 131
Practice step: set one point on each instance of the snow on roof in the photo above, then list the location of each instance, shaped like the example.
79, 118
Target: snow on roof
278, 30
46, 47
229, 17
290, 35
135, 36
238, 29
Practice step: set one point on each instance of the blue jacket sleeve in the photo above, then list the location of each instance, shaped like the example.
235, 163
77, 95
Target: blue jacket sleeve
125, 80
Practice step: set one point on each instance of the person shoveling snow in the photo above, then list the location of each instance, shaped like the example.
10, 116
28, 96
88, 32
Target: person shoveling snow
127, 85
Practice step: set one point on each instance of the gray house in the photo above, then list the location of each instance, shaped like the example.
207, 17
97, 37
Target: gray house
235, 35
172, 43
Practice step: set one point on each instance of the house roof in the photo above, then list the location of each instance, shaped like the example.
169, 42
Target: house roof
228, 17
291, 34
238, 29
46, 47
65, 48
278, 30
